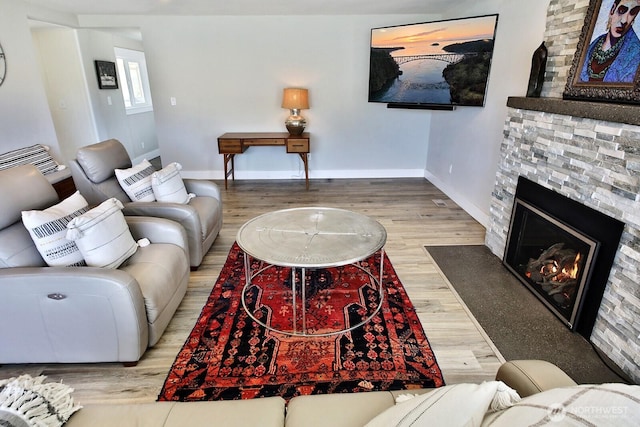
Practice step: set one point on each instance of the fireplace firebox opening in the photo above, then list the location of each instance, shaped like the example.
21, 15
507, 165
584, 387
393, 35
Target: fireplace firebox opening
563, 251
551, 258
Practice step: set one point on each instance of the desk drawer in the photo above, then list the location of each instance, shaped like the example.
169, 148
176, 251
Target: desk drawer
297, 145
264, 141
229, 146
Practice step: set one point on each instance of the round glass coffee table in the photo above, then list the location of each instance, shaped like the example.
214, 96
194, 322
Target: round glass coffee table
310, 238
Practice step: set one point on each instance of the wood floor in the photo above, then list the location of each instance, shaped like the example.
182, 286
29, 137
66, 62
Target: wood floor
405, 207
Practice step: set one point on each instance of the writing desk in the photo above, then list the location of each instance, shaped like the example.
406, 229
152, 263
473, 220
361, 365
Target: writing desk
232, 143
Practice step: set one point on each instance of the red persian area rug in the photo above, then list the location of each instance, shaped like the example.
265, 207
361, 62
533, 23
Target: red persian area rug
229, 356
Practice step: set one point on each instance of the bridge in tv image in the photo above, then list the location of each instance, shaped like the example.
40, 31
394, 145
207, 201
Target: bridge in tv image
451, 58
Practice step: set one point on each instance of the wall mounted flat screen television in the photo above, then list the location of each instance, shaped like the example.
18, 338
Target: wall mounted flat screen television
431, 64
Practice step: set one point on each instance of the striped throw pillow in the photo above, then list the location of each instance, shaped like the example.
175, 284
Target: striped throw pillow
168, 186
37, 155
48, 229
136, 181
103, 235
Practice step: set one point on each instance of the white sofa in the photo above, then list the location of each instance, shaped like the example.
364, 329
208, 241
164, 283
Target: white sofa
533, 379
93, 172
82, 314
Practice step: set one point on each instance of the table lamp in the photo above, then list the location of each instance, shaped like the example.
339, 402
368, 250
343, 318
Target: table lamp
295, 99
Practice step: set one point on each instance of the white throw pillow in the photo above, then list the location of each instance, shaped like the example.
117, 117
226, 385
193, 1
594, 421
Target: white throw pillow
48, 229
168, 186
136, 181
614, 404
452, 405
102, 235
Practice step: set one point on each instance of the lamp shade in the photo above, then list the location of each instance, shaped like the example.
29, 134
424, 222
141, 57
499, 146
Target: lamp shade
295, 98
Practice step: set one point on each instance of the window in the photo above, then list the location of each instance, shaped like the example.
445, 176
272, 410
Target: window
134, 82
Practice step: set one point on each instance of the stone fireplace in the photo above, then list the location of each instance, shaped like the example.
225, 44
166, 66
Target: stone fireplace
590, 153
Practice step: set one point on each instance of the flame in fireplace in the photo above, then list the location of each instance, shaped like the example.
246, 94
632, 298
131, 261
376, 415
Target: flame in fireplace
572, 271
556, 271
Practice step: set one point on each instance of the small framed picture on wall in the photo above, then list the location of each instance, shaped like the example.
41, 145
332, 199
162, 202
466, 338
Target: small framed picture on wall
107, 77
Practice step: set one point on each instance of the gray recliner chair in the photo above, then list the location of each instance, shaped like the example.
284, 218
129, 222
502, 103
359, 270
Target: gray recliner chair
93, 172
82, 314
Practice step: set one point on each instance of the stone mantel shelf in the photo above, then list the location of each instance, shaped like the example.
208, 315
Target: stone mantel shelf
617, 113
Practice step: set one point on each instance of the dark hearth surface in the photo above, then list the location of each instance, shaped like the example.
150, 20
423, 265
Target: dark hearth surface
519, 325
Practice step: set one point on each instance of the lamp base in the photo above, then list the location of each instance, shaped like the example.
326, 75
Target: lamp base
295, 129
295, 123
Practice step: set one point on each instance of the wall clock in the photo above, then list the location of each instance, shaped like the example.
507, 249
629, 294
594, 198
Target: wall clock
3, 66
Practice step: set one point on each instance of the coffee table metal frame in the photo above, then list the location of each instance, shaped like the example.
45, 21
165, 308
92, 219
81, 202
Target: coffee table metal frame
310, 238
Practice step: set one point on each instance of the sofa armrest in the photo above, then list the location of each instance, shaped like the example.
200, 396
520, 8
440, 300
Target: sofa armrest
529, 377
174, 211
202, 188
185, 215
71, 314
158, 230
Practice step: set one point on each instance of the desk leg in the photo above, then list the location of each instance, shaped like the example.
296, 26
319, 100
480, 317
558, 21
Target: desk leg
228, 158
305, 160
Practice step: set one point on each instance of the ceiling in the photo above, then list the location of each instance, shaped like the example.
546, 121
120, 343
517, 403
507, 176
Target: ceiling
252, 7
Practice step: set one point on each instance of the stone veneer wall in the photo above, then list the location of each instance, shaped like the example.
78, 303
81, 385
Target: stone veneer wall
565, 19
592, 161
598, 165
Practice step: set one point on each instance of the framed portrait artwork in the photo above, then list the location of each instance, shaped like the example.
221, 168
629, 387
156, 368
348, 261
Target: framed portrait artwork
107, 77
606, 63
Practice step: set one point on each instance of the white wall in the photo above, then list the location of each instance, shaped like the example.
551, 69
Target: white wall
82, 113
66, 87
227, 74
24, 113
110, 114
50, 95
468, 140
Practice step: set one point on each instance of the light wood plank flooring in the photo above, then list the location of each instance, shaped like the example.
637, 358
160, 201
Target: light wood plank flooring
406, 209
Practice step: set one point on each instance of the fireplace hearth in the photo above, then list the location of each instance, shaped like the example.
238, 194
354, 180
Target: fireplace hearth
562, 251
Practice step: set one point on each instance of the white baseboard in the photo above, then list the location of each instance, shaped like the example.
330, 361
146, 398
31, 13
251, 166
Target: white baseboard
470, 208
327, 174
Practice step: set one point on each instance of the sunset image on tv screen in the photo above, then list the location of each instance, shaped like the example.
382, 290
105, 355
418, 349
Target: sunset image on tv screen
441, 62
